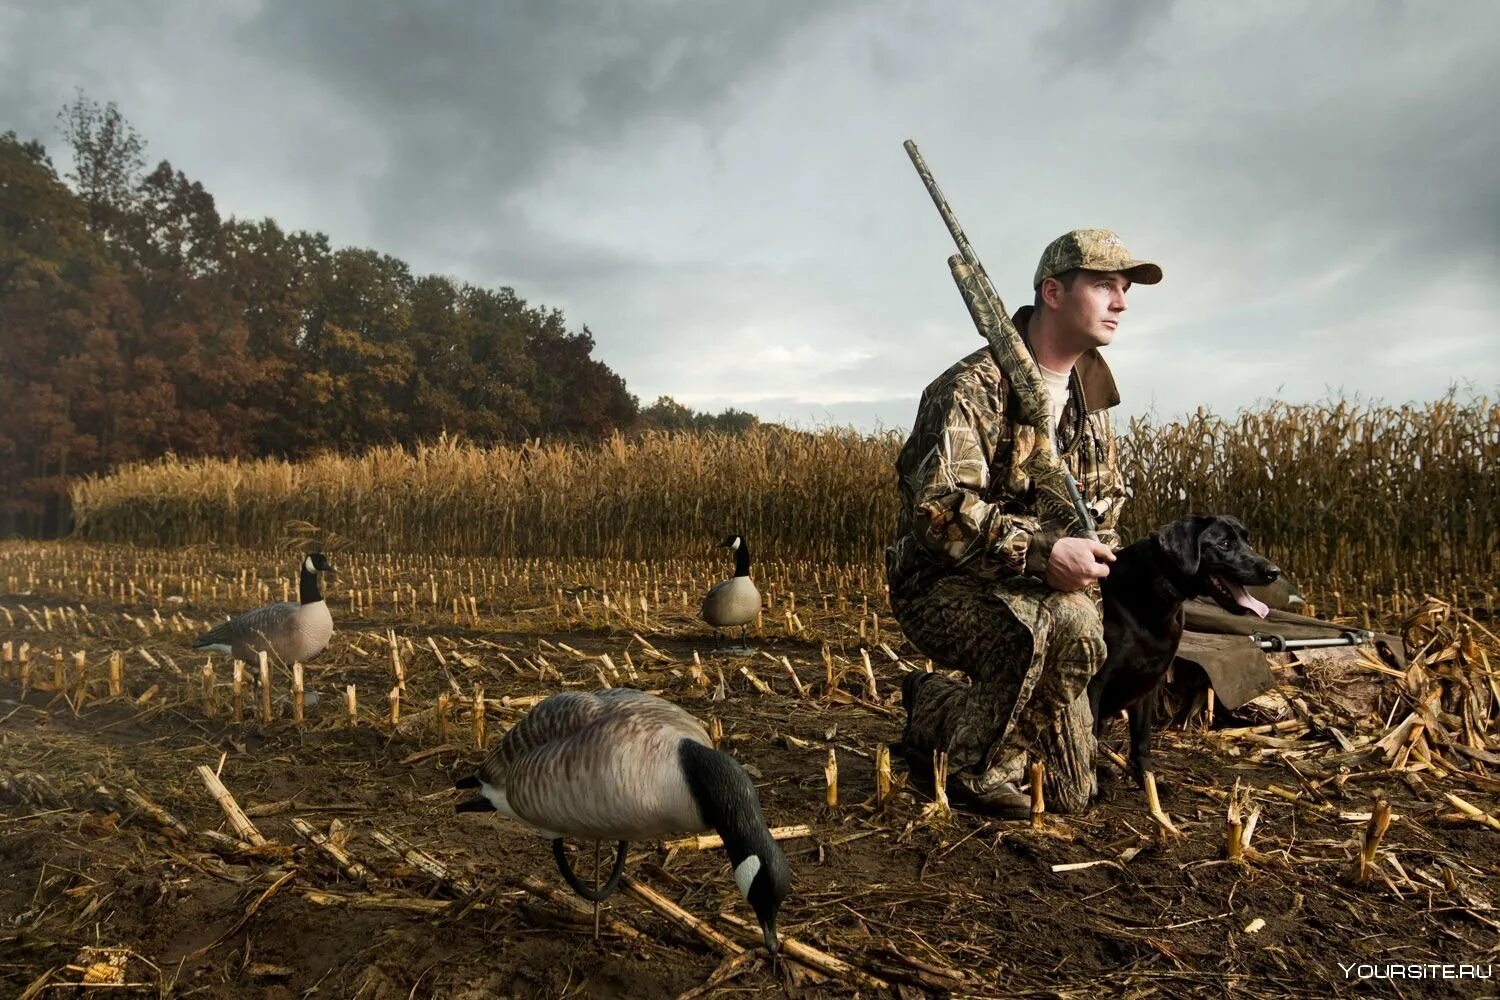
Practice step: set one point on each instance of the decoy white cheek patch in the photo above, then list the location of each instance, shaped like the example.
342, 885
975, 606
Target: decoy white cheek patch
497, 799
735, 545
745, 872
307, 564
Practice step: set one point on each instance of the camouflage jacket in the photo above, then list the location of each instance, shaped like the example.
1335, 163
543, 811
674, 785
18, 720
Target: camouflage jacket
967, 504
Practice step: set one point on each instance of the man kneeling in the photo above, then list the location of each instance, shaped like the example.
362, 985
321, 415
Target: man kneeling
977, 581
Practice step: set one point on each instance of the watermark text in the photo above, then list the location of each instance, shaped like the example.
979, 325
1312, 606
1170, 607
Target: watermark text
1414, 970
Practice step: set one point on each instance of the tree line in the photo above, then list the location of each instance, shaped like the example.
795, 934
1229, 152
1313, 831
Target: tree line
135, 322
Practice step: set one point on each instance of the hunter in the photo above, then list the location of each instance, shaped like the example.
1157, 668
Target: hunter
977, 581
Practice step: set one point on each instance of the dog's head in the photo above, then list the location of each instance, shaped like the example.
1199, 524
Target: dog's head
1213, 553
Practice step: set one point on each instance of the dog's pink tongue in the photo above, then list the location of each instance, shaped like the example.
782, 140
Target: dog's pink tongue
1243, 599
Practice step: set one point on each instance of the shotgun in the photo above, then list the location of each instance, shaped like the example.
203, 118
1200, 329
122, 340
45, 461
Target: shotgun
1058, 500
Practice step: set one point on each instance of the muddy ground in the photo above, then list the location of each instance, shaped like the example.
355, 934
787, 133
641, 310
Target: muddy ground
898, 894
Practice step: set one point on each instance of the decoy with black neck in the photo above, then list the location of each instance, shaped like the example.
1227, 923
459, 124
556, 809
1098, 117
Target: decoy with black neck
288, 632
735, 602
618, 765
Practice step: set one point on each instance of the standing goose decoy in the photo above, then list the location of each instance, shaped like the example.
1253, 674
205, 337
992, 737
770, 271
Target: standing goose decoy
287, 632
735, 601
622, 765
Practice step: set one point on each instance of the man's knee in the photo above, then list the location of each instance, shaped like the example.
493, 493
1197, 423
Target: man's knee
1077, 629
960, 624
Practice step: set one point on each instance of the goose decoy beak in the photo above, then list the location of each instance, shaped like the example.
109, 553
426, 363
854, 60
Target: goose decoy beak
768, 928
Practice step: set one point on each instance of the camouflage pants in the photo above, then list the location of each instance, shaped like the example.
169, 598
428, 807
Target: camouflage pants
1029, 652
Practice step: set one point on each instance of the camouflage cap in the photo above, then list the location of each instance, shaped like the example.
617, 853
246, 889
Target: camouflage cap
1095, 250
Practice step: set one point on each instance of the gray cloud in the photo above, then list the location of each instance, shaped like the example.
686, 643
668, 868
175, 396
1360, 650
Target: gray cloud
476, 103
1092, 37
719, 190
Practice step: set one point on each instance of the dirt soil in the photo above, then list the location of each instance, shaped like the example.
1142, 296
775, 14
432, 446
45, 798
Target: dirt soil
898, 893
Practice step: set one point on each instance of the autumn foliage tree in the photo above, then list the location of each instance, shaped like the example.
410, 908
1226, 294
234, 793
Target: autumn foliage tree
136, 321
669, 415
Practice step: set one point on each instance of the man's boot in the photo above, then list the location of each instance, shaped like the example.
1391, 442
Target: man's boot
993, 792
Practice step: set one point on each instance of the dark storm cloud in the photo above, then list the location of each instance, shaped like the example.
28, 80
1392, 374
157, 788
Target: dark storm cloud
479, 101
719, 192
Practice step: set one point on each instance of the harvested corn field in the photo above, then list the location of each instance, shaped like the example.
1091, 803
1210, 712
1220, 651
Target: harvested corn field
173, 833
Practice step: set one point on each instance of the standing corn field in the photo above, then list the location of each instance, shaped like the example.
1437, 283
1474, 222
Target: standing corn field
1364, 497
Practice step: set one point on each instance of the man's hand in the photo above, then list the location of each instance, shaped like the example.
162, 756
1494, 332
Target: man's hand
1077, 562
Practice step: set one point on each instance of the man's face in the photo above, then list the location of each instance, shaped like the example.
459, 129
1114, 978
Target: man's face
1090, 311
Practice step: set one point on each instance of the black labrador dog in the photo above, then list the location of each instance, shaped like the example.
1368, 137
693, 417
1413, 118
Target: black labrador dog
1200, 555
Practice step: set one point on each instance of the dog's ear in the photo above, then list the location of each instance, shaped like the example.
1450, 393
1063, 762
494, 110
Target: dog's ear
1181, 540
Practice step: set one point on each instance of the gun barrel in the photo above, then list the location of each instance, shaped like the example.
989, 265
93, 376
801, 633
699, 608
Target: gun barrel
965, 248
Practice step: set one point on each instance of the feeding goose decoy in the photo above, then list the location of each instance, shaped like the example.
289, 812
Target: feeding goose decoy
735, 601
621, 765
288, 632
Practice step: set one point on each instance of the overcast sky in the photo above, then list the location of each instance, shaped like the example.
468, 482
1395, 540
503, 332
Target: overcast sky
719, 191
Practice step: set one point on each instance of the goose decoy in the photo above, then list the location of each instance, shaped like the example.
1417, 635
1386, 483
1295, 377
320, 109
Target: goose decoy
735, 601
1282, 594
288, 632
621, 765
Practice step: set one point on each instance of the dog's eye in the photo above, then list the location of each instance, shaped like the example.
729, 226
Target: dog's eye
1225, 544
